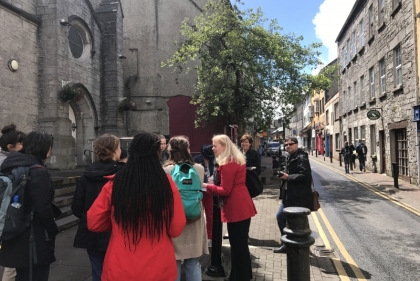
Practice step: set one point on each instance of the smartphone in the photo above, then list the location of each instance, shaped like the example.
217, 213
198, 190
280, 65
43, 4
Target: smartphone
280, 174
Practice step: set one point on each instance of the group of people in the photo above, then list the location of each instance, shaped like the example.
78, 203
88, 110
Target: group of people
349, 153
132, 219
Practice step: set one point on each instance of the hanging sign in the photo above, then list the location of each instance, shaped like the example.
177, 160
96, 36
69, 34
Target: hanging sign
373, 114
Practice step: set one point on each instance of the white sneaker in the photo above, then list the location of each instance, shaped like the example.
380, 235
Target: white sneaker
209, 243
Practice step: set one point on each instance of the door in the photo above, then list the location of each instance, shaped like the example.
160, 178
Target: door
383, 155
402, 153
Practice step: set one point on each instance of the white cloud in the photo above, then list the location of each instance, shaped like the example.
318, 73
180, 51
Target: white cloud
328, 22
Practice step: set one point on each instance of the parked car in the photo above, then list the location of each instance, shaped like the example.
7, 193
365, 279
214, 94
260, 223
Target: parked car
272, 148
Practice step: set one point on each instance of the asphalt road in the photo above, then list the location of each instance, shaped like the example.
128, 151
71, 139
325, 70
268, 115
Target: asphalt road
382, 238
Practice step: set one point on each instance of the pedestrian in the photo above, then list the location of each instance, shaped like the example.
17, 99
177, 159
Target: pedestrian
206, 159
297, 181
361, 155
123, 156
353, 156
346, 152
10, 140
251, 156
260, 152
15, 253
163, 152
108, 151
237, 207
142, 207
192, 243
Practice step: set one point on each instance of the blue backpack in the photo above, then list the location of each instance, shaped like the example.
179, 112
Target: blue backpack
189, 185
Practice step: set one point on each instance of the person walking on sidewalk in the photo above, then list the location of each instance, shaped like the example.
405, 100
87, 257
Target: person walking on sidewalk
353, 156
297, 181
237, 206
346, 152
361, 150
107, 149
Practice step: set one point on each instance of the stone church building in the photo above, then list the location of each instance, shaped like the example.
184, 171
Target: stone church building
110, 50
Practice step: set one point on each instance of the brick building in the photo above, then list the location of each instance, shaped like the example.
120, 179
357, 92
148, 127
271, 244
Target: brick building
377, 57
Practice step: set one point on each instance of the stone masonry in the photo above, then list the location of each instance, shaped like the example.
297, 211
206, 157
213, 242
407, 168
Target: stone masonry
373, 35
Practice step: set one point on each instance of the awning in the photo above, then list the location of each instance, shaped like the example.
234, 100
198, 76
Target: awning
307, 128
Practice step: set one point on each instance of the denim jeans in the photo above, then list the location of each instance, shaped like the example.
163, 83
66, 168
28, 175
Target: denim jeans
192, 269
362, 163
97, 261
281, 219
347, 165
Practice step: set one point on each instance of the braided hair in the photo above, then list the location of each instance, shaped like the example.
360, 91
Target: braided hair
142, 195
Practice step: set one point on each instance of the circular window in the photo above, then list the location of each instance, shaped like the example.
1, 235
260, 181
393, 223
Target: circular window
76, 43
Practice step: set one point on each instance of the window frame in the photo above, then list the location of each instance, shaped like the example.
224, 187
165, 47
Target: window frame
362, 33
397, 66
382, 75
372, 83
354, 42
381, 12
355, 94
362, 90
371, 21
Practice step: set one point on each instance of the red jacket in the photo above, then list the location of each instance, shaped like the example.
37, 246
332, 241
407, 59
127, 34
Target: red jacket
146, 262
237, 203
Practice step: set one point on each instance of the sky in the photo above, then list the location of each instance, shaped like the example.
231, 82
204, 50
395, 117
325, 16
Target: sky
316, 20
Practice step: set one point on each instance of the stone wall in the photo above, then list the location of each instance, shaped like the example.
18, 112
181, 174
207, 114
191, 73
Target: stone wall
150, 29
19, 89
395, 105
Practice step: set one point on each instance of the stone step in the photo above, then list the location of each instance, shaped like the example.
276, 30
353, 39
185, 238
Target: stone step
68, 190
62, 201
59, 182
65, 212
66, 222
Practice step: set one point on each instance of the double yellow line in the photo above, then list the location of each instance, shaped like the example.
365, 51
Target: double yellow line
337, 262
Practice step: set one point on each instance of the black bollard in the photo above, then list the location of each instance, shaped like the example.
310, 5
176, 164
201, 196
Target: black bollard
339, 158
297, 240
316, 152
216, 269
331, 156
395, 173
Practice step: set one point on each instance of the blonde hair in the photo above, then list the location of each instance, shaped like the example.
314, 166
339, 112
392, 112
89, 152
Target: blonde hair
231, 153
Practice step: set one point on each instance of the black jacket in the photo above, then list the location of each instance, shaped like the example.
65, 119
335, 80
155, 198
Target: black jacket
253, 160
87, 190
200, 160
39, 195
299, 191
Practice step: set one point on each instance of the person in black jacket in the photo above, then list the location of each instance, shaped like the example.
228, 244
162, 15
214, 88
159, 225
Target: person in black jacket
107, 148
252, 158
39, 195
297, 180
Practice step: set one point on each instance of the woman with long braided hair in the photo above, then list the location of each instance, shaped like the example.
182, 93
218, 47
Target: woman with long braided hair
142, 207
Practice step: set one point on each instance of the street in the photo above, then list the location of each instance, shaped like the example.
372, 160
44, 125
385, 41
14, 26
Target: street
379, 235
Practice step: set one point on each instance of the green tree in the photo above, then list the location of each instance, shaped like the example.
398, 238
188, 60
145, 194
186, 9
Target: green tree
246, 74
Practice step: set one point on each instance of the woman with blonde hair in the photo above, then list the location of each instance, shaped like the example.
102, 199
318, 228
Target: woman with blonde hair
192, 243
237, 207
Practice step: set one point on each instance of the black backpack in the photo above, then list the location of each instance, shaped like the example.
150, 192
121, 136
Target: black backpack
363, 149
253, 183
14, 221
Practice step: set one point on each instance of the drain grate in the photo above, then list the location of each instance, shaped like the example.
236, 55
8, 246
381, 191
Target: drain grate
324, 253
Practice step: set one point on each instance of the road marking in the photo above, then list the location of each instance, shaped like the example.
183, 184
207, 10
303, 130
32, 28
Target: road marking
374, 190
342, 274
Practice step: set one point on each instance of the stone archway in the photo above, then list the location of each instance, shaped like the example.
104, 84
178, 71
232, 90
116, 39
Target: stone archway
86, 124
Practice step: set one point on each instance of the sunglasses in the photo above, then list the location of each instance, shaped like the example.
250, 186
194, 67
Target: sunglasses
289, 144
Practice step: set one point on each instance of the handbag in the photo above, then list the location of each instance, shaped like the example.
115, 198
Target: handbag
316, 204
253, 183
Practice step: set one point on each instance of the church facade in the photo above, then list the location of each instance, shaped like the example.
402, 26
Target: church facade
108, 51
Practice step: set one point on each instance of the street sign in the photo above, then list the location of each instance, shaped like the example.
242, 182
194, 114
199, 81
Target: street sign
373, 114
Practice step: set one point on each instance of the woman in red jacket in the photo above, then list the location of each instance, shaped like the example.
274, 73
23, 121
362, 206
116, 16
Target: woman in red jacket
142, 208
237, 207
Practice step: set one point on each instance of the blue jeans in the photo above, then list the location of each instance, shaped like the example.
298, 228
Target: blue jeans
192, 269
362, 160
281, 219
97, 261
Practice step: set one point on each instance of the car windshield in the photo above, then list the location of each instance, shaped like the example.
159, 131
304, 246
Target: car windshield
274, 144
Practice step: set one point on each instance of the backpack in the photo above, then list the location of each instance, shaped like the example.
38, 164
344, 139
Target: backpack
14, 221
189, 185
363, 149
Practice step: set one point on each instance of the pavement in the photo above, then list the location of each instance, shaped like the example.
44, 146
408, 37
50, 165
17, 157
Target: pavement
73, 264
